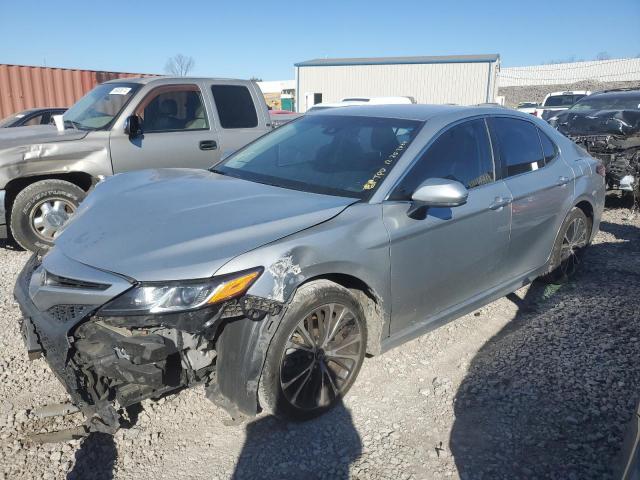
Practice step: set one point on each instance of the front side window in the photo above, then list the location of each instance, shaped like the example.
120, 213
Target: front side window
235, 106
517, 144
461, 153
98, 108
36, 120
329, 154
173, 108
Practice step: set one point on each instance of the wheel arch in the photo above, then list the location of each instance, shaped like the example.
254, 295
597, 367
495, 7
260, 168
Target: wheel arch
82, 180
370, 301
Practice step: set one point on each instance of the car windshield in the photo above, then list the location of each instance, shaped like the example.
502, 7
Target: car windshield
330, 154
562, 100
98, 108
609, 102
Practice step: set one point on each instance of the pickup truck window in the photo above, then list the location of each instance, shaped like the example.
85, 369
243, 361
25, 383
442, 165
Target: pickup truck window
173, 108
235, 106
98, 108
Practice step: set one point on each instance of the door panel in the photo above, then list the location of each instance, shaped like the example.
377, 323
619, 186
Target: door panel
449, 256
178, 132
541, 184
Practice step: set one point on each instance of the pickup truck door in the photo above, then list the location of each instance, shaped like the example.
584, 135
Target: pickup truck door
240, 112
178, 131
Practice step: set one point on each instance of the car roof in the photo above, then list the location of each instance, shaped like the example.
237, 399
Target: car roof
618, 93
421, 112
159, 78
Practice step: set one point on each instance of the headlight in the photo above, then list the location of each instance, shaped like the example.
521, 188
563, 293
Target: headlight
171, 297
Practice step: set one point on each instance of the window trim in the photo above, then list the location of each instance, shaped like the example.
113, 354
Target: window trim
503, 175
170, 87
556, 149
428, 145
217, 111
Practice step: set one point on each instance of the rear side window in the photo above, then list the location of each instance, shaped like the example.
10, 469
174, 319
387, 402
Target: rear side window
517, 144
549, 148
461, 153
235, 106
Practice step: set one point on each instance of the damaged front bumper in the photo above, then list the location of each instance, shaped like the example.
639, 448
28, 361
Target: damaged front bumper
620, 156
107, 363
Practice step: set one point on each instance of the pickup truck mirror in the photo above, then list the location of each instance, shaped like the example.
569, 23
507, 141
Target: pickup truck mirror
133, 126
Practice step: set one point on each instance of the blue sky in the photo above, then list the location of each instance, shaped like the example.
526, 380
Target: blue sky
265, 39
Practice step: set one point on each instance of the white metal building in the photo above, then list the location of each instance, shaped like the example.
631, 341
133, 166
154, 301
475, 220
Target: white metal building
459, 79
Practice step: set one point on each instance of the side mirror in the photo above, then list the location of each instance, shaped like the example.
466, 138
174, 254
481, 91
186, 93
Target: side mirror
438, 192
133, 126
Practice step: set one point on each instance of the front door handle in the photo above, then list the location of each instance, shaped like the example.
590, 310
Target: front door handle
208, 145
562, 181
499, 202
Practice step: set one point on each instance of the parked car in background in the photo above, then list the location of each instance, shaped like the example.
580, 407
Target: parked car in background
607, 125
349, 102
121, 125
528, 107
556, 102
31, 116
269, 277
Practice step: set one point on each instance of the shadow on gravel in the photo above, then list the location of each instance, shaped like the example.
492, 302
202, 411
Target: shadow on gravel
550, 396
95, 458
320, 448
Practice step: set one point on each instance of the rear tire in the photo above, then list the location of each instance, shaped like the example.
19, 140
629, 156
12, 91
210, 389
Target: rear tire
40, 210
568, 250
316, 353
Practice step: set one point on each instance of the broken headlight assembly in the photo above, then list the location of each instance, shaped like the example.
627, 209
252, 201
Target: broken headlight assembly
174, 297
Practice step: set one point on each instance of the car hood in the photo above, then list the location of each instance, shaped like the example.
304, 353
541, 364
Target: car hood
19, 136
599, 122
176, 224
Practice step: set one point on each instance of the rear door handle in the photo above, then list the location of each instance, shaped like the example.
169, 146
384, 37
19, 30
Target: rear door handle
499, 202
208, 145
562, 181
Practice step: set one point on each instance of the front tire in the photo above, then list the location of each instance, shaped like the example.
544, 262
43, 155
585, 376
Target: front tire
568, 250
40, 211
316, 353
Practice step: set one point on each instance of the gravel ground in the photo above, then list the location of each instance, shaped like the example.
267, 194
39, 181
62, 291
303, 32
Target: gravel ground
540, 384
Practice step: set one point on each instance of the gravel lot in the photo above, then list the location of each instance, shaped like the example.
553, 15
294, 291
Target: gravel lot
540, 384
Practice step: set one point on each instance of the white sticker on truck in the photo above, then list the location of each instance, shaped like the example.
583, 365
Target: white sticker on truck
120, 91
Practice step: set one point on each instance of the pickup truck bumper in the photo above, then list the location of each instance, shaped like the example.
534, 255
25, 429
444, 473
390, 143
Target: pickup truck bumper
3, 216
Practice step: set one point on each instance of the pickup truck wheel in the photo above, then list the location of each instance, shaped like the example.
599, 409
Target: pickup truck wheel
316, 354
568, 250
41, 209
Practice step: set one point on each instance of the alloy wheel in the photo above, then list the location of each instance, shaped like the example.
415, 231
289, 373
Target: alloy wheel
320, 357
48, 217
575, 238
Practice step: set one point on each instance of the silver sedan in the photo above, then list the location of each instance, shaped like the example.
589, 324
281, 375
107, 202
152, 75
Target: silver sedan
269, 277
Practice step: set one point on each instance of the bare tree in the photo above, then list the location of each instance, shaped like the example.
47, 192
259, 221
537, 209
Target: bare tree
179, 65
255, 79
603, 56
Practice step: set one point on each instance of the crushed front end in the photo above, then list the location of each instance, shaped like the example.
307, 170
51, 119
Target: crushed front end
108, 361
612, 136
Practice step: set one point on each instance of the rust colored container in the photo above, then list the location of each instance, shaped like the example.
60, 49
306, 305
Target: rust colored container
23, 87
